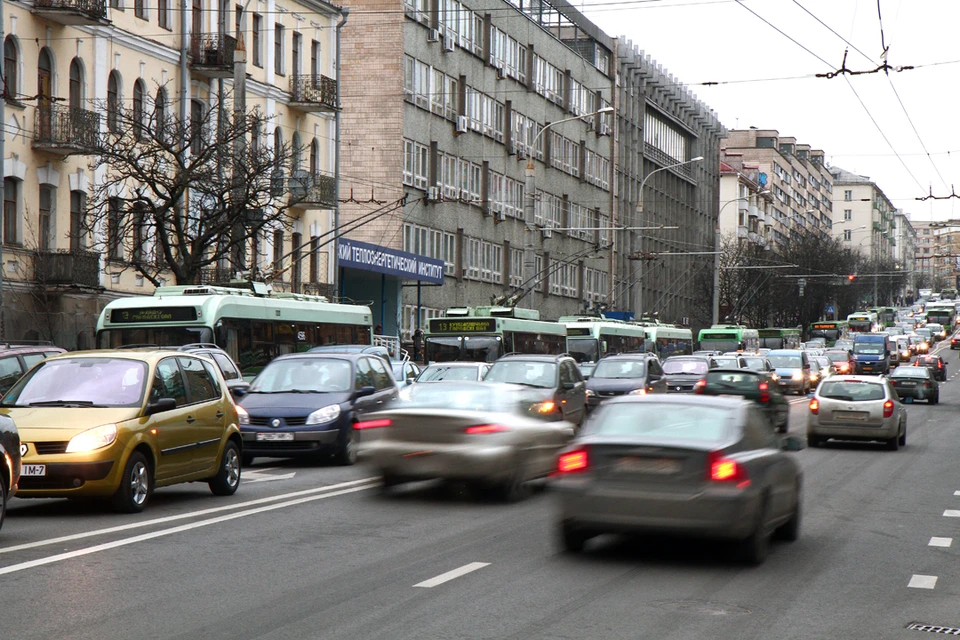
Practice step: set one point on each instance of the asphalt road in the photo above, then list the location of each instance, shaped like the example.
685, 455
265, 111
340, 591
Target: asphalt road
316, 552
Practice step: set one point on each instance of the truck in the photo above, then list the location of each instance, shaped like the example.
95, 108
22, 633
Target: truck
871, 353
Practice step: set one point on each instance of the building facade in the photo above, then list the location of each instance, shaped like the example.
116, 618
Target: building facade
905, 251
746, 207
867, 215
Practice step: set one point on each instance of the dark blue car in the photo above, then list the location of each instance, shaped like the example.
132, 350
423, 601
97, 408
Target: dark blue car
305, 405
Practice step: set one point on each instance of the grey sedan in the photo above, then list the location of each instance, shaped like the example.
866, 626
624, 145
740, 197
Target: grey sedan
487, 434
857, 408
915, 383
708, 466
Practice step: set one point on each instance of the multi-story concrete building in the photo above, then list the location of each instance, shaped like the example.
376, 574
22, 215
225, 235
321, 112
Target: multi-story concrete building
946, 256
746, 206
926, 249
905, 250
69, 62
867, 215
796, 176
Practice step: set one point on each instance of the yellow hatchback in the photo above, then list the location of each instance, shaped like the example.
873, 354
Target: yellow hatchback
118, 424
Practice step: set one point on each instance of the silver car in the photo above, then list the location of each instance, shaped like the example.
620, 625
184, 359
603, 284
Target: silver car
469, 371
488, 434
857, 408
696, 465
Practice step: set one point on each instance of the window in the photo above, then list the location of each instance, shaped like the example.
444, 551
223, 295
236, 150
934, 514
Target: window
116, 4
139, 232
196, 127
45, 209
847, 235
278, 250
138, 113
314, 259
114, 239
848, 195
296, 151
278, 48
163, 14
200, 386
113, 102
77, 201
315, 58
160, 111
516, 267
295, 241
848, 214
11, 64
76, 84
256, 37
238, 21
140, 9
661, 135
415, 164
11, 209
297, 46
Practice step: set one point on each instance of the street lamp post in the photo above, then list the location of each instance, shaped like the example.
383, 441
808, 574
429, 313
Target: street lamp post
529, 219
715, 307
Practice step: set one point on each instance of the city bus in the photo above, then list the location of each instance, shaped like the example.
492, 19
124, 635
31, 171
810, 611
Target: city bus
886, 316
862, 322
667, 340
252, 327
591, 338
775, 338
486, 333
729, 337
942, 312
829, 330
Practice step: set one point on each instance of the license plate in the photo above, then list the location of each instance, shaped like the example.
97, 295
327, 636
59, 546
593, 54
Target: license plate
274, 437
908, 384
33, 470
851, 415
656, 466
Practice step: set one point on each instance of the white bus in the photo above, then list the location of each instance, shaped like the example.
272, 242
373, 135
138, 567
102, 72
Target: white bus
591, 338
486, 333
667, 340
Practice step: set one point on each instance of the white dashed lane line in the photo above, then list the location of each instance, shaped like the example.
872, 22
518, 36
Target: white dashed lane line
452, 575
940, 542
922, 582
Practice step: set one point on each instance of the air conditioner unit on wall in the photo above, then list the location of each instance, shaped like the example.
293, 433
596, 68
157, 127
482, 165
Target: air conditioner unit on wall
434, 35
461, 124
448, 43
433, 194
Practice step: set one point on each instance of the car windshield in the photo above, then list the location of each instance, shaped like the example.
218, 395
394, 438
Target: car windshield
839, 356
436, 373
531, 374
851, 390
868, 348
583, 349
786, 362
98, 382
822, 361
727, 362
620, 369
304, 375
756, 364
910, 372
460, 397
694, 367
732, 381
654, 420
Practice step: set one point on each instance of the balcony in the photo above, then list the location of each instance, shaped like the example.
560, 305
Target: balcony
70, 268
73, 12
742, 231
312, 190
65, 131
211, 55
753, 212
314, 93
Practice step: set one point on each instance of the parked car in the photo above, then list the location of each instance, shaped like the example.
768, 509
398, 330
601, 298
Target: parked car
752, 385
561, 390
915, 383
453, 371
305, 405
9, 463
857, 408
17, 359
793, 369
118, 424
489, 434
684, 371
691, 465
634, 373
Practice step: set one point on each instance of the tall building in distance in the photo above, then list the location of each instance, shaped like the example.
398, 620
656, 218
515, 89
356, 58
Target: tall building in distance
868, 216
746, 204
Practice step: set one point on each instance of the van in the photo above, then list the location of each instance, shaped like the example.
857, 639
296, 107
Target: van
871, 353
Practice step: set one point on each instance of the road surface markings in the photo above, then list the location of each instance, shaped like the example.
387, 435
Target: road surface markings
259, 476
956, 493
452, 575
951, 513
940, 542
922, 582
182, 516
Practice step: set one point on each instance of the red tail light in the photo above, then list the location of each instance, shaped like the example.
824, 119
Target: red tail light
487, 428
939, 365
723, 469
815, 406
373, 424
698, 388
764, 392
573, 461
888, 408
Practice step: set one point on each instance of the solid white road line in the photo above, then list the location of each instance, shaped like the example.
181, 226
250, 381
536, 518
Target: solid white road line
168, 532
452, 575
940, 542
951, 513
181, 516
922, 582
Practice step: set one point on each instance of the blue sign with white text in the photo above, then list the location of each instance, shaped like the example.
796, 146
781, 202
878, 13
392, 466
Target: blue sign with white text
392, 262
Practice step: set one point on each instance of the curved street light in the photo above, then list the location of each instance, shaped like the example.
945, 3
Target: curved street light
715, 307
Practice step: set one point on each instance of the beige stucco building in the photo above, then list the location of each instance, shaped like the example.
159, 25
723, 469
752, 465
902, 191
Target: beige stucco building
867, 215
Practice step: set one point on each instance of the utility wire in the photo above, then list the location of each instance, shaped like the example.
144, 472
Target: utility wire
916, 133
781, 32
830, 29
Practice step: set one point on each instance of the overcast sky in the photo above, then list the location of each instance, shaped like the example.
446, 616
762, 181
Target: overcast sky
767, 81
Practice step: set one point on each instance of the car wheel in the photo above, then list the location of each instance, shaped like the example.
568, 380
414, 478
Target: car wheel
936, 398
572, 540
3, 497
347, 453
227, 480
389, 481
136, 485
790, 530
903, 436
755, 548
814, 441
515, 488
893, 444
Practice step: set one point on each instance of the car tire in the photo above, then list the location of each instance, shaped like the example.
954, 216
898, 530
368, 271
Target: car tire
136, 485
389, 481
347, 449
247, 460
515, 488
790, 530
227, 480
815, 442
936, 398
572, 540
893, 444
755, 548
4, 494
903, 436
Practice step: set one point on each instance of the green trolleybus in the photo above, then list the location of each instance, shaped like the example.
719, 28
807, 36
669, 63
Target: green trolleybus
667, 340
829, 330
774, 338
591, 338
486, 333
729, 337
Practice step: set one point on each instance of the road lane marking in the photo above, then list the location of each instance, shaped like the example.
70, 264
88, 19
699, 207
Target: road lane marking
956, 493
951, 513
267, 478
452, 575
940, 542
60, 557
922, 582
181, 516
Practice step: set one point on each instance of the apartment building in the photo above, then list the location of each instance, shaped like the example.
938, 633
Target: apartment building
796, 176
746, 206
867, 215
925, 252
905, 250
70, 66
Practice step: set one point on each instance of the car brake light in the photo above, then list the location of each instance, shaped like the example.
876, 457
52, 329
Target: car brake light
723, 469
939, 365
698, 388
486, 428
572, 461
927, 384
888, 408
815, 406
373, 424
764, 392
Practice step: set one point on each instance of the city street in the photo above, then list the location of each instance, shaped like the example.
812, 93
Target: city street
316, 552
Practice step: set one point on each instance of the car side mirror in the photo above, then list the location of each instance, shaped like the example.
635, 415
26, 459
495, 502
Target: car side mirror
240, 390
655, 376
363, 392
567, 386
159, 406
793, 443
411, 375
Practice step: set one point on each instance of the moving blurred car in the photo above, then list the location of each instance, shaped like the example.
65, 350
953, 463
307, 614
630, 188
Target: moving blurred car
683, 372
752, 385
450, 371
726, 362
559, 386
793, 369
118, 424
9, 462
826, 366
842, 361
916, 383
489, 434
937, 331
637, 374
843, 345
903, 349
936, 364
857, 408
707, 466
17, 359
305, 405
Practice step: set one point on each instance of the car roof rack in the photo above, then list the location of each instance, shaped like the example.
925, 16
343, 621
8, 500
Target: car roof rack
143, 345
27, 343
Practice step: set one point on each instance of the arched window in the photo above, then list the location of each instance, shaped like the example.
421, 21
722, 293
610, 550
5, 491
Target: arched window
295, 152
314, 157
278, 147
76, 84
45, 76
197, 112
11, 68
160, 111
113, 102
138, 113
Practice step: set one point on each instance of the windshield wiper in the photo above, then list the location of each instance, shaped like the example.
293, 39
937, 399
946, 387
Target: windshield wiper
64, 403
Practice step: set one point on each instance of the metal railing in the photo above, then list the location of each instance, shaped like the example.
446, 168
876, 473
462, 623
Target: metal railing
93, 8
316, 89
212, 50
312, 188
67, 127
67, 267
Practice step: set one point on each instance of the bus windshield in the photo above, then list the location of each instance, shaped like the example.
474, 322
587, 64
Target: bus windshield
160, 336
583, 349
481, 348
445, 349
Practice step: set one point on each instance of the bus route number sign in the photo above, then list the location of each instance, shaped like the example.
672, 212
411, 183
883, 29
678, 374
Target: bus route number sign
578, 331
824, 326
161, 314
456, 325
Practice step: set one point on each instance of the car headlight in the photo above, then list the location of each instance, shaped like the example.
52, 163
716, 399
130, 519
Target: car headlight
324, 415
590, 393
93, 439
774, 377
638, 392
242, 416
797, 376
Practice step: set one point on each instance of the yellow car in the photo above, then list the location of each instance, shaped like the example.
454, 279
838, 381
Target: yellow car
118, 424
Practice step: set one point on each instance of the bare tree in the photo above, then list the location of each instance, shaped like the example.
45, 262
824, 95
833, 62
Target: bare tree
177, 198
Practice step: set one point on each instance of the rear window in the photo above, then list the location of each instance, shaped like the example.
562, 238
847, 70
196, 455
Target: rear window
851, 391
732, 381
910, 372
435, 373
698, 367
658, 421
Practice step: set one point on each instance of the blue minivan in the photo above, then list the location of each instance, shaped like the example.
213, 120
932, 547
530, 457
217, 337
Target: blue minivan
871, 353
